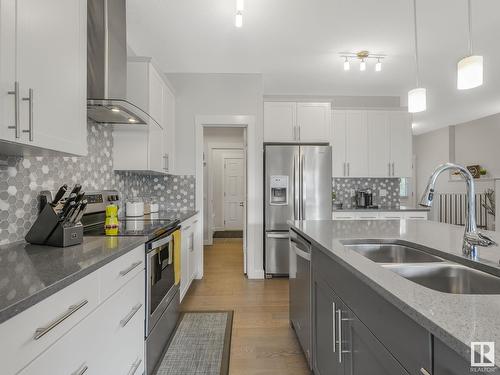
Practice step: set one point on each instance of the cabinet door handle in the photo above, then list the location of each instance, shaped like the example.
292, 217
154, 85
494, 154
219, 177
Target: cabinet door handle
348, 169
130, 268
29, 99
42, 331
298, 128
167, 167
424, 371
388, 169
339, 322
130, 315
135, 366
392, 169
16, 109
344, 170
81, 370
333, 326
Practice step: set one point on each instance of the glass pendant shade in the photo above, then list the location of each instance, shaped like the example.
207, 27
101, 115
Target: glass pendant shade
417, 100
470, 72
238, 21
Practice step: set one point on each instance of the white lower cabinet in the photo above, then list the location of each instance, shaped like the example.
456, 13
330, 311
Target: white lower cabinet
380, 215
80, 330
190, 246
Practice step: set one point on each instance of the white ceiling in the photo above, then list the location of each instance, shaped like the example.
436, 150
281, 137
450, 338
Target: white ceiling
295, 45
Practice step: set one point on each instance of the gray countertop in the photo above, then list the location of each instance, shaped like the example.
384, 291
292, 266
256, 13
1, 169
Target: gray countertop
383, 209
31, 273
455, 319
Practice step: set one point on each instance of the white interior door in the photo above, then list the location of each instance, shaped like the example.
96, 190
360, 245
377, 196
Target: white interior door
234, 193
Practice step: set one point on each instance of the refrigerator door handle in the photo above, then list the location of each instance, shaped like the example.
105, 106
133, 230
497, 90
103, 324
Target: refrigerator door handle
296, 188
302, 188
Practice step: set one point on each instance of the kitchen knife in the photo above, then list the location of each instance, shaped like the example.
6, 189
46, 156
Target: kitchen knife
60, 193
63, 217
78, 214
67, 202
79, 197
76, 189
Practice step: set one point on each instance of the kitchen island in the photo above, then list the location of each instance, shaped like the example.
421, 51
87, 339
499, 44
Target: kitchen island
385, 320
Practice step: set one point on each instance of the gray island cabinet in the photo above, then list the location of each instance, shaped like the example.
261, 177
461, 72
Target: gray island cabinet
356, 332
368, 320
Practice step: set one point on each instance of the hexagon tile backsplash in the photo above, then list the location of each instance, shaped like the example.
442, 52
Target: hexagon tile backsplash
343, 188
24, 178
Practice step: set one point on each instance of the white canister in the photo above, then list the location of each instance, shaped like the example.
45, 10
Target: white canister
134, 209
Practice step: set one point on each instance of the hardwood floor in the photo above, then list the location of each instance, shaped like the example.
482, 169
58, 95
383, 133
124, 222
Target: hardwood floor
262, 342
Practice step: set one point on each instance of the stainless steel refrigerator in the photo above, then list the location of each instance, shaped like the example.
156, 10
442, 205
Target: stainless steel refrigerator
298, 186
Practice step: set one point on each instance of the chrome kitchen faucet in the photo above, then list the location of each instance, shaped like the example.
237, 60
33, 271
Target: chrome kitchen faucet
472, 237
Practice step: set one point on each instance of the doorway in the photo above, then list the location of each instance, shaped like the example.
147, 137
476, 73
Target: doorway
224, 185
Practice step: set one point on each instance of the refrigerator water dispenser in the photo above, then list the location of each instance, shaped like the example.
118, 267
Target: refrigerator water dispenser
279, 190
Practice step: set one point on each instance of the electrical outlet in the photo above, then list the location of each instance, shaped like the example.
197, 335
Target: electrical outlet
382, 192
353, 192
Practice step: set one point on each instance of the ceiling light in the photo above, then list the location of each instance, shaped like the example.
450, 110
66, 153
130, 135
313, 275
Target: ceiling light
470, 68
378, 66
347, 65
417, 98
238, 22
115, 110
132, 120
240, 5
362, 65
470, 72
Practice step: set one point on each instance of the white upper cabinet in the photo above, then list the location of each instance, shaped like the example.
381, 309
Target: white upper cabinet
371, 144
401, 144
43, 70
147, 148
314, 122
356, 144
350, 144
379, 147
280, 121
297, 122
169, 131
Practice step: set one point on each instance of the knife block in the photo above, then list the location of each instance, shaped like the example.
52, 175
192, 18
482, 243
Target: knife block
48, 230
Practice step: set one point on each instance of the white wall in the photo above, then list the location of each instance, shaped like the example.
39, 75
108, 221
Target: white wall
474, 142
211, 94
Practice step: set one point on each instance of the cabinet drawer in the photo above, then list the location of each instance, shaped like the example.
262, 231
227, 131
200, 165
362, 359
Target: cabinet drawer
117, 273
390, 325
392, 215
344, 216
34, 330
415, 215
122, 324
367, 215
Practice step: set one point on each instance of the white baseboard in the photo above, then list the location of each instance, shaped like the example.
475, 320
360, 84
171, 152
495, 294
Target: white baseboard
256, 274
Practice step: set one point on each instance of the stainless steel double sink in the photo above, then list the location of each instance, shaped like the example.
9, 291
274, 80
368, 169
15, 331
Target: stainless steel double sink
428, 270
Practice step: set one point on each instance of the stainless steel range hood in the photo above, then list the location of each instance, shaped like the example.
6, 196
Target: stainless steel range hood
107, 65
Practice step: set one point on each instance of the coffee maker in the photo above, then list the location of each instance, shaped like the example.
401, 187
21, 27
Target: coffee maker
364, 199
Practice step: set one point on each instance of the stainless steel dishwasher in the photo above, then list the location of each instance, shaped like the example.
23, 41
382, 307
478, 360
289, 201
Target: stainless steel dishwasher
300, 291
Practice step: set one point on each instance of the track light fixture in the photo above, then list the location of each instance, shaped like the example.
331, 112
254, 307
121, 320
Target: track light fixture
362, 56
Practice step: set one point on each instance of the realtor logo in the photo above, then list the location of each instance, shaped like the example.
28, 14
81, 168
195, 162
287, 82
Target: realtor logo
482, 354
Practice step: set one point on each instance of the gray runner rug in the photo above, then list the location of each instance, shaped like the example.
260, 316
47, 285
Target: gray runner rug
200, 345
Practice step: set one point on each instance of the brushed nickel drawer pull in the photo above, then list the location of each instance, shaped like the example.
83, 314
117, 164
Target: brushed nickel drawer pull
130, 315
42, 331
135, 366
333, 326
16, 125
129, 269
82, 370
29, 99
339, 322
424, 371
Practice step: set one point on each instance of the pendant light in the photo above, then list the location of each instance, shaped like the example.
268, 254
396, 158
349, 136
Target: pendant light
347, 65
470, 68
417, 98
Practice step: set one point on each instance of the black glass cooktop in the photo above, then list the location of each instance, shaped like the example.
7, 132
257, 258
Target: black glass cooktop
134, 227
